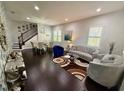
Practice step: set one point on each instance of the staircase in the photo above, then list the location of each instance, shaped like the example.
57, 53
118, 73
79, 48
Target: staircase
24, 37
15, 45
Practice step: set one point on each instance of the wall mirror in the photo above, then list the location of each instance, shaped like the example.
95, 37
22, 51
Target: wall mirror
3, 43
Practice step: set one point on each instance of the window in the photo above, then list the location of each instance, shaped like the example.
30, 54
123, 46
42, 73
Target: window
57, 36
94, 36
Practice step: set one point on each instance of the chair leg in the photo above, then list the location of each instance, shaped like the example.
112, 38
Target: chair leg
34, 51
38, 51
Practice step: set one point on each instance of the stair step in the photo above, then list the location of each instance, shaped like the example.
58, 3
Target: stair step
15, 45
15, 48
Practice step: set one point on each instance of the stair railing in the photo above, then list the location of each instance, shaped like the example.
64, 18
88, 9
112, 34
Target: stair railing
26, 36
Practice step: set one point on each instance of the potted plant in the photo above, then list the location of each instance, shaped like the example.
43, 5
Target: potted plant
111, 45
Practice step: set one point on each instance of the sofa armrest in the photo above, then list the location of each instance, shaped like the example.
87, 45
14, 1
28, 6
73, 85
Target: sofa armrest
97, 54
100, 56
97, 51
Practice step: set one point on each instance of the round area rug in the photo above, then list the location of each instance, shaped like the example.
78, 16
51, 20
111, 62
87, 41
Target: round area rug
80, 74
61, 61
79, 63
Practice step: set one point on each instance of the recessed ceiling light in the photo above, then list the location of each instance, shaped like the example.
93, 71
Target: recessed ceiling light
28, 18
36, 7
66, 19
98, 9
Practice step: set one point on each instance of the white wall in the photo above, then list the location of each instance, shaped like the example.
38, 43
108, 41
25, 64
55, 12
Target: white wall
43, 37
13, 27
28, 43
44, 33
113, 30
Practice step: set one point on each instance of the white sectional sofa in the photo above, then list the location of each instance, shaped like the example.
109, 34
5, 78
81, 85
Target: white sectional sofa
105, 72
85, 52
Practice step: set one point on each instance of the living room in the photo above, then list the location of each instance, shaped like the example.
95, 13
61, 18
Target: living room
85, 38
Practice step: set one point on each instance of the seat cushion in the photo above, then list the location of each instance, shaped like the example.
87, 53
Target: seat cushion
83, 55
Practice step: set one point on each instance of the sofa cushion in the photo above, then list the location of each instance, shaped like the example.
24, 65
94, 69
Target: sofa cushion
116, 61
83, 48
83, 55
90, 50
74, 48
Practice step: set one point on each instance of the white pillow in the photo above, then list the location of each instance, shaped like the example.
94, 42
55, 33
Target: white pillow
108, 59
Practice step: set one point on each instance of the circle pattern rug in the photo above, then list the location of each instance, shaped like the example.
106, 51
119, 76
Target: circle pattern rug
82, 64
61, 61
80, 74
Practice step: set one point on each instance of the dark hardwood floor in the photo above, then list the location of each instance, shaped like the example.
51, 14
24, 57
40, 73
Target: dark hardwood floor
45, 75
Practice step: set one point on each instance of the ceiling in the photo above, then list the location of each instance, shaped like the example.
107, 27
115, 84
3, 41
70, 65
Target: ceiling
55, 12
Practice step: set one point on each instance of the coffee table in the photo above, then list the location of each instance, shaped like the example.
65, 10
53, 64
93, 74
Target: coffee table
77, 61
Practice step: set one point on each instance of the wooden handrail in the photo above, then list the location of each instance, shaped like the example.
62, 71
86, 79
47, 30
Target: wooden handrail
26, 31
21, 38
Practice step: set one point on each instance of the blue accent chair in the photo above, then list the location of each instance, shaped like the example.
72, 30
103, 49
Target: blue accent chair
58, 51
